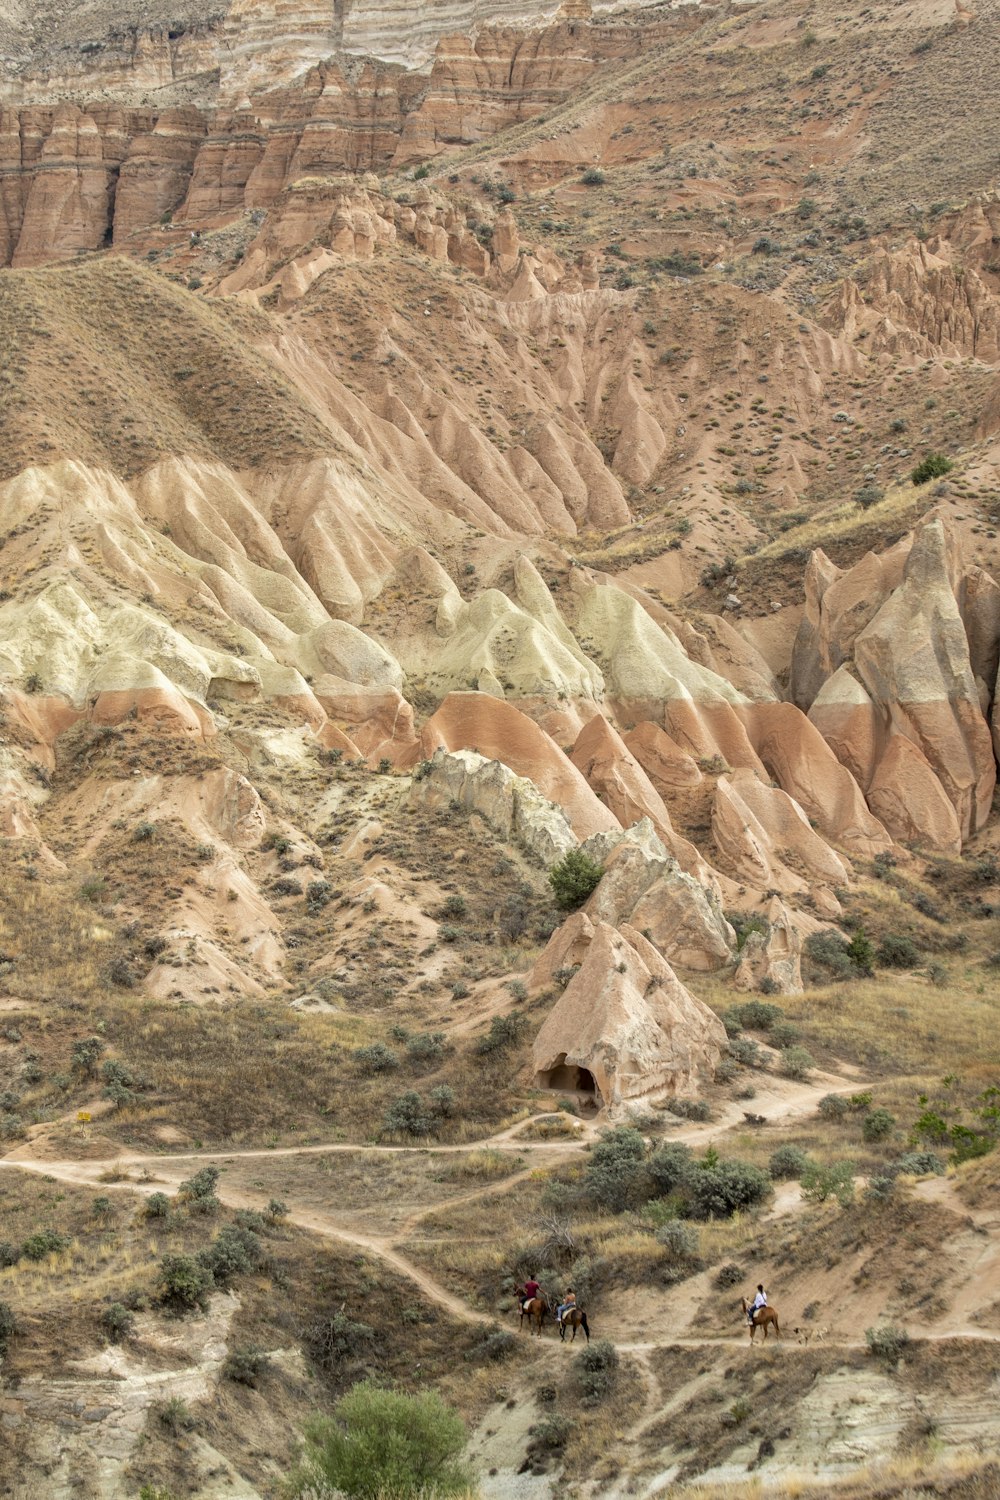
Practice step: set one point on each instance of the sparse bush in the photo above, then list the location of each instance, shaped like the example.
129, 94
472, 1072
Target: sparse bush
426, 1046
143, 832
898, 952
679, 1240
868, 495
382, 1443
442, 1100
184, 1284
198, 1192
861, 951
10, 1254
244, 1365
728, 1275
877, 1125
592, 177
597, 1369
233, 1252
157, 1206
333, 1342
496, 1346
745, 1050
175, 1416
504, 1033
42, 1243
376, 1058
796, 1062
277, 1210
880, 1189
690, 1109
918, 1163
829, 950
783, 1034
787, 1162
887, 1343
117, 1322
8, 1325
837, 1181
407, 1115
755, 1015
85, 1055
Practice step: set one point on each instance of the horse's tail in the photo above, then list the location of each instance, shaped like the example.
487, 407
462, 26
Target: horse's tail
777, 1328
585, 1325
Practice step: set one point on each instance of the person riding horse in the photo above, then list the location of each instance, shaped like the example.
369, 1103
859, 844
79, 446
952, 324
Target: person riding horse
568, 1301
758, 1302
528, 1292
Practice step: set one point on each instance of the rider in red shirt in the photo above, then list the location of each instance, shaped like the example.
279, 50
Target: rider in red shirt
529, 1290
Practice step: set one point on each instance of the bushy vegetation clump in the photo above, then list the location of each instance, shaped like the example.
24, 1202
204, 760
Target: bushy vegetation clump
384, 1445
574, 878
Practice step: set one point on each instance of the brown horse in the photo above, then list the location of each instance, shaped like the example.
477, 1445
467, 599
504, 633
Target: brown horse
534, 1310
574, 1317
764, 1317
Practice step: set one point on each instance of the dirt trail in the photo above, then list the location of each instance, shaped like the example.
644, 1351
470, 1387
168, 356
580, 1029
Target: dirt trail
783, 1101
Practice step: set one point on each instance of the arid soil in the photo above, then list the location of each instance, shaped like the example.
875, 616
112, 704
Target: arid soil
441, 446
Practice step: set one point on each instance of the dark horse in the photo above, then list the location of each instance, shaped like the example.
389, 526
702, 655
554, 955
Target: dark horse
534, 1310
574, 1317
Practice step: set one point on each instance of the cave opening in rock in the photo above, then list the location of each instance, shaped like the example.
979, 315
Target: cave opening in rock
568, 1078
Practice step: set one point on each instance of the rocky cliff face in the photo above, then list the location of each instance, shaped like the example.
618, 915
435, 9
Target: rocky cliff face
77, 176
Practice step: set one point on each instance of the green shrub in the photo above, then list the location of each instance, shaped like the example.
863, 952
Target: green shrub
877, 1125
10, 1254
887, 1343
787, 1162
597, 1369
718, 1189
574, 878
8, 1325
85, 1055
184, 1284
837, 1181
496, 1346
898, 952
385, 1444
504, 1033
335, 1341
728, 1275
117, 1322
244, 1365
690, 1109
233, 1252
157, 1206
795, 1062
755, 1015
616, 1168
679, 1240
592, 177
198, 1192
407, 1115
376, 1058
42, 1243
932, 467
745, 1050
669, 1165
919, 1163
426, 1046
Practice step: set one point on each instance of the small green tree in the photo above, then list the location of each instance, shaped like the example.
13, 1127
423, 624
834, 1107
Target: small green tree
615, 1168
574, 878
837, 1181
387, 1444
932, 467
